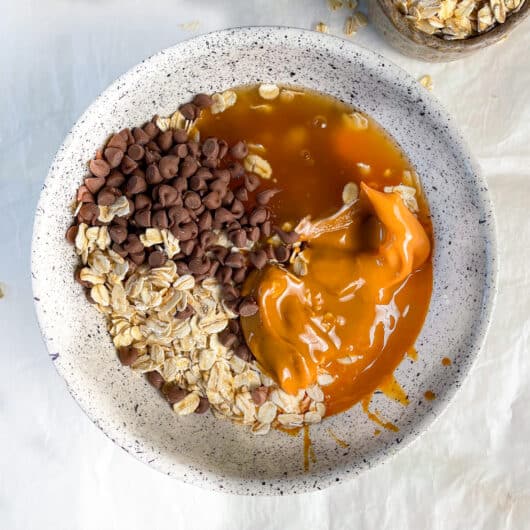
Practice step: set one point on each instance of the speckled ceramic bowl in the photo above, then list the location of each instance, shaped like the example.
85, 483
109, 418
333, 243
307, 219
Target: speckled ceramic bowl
216, 454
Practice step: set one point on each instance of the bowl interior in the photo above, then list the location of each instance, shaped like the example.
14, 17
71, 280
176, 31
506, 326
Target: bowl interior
214, 453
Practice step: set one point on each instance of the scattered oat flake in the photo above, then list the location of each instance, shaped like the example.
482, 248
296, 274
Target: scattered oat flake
322, 28
334, 4
190, 26
427, 82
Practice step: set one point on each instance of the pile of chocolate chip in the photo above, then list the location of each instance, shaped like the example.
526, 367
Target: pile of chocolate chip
193, 189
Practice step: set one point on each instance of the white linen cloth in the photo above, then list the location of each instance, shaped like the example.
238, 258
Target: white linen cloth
57, 471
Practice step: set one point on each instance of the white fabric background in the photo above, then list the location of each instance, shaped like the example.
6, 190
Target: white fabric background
57, 471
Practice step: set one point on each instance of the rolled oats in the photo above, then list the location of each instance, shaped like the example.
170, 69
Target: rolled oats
269, 91
255, 164
456, 19
350, 193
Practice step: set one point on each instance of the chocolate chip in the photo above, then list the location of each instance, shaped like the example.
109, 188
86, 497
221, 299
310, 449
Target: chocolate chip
205, 221
252, 182
241, 194
168, 166
223, 175
94, 184
202, 101
99, 168
235, 260
197, 252
136, 151
119, 250
213, 268
237, 208
253, 233
187, 247
266, 229
88, 213
138, 258
210, 148
152, 157
120, 221
239, 275
185, 231
135, 185
182, 268
84, 195
265, 196
210, 163
224, 275
126, 134
187, 312
219, 186
258, 259
238, 238
248, 307
139, 172
128, 355
259, 395
258, 216
281, 253
178, 215
197, 183
228, 198
71, 234
143, 218
140, 136
193, 148
227, 338
113, 155
133, 245
168, 195
203, 407
159, 219
174, 394
230, 293
180, 150
118, 234
117, 141
244, 353
128, 165
223, 148
116, 179
156, 259
142, 201
180, 184
192, 200
222, 215
239, 150
180, 136
236, 170
151, 129
189, 111
165, 140
206, 238
287, 237
220, 253
199, 265
155, 379
188, 167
